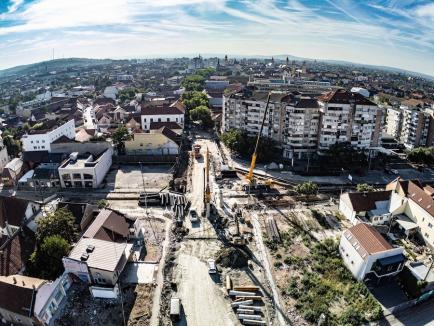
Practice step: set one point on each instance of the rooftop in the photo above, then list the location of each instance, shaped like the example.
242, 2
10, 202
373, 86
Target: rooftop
106, 255
366, 239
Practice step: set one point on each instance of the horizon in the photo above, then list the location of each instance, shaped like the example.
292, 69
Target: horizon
395, 34
237, 56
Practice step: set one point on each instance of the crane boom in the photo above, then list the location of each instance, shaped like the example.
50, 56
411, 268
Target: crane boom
254, 155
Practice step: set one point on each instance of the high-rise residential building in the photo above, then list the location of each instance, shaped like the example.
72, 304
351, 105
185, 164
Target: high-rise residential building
302, 124
348, 117
411, 126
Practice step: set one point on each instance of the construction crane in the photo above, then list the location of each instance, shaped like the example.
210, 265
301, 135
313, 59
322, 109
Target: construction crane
254, 155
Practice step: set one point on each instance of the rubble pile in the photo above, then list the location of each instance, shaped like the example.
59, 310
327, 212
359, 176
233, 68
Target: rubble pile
232, 257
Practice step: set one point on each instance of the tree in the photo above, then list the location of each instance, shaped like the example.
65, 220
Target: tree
13, 146
194, 99
243, 144
119, 136
127, 94
46, 261
193, 83
364, 187
421, 155
203, 114
61, 223
307, 188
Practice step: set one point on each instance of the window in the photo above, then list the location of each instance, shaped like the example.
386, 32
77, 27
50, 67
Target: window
152, 120
66, 177
77, 184
168, 119
430, 225
159, 119
76, 176
87, 176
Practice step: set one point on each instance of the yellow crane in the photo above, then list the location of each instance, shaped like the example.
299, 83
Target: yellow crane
254, 155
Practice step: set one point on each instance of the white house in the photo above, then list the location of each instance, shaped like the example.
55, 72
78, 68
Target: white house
4, 157
85, 171
49, 298
41, 139
161, 114
365, 252
161, 142
372, 207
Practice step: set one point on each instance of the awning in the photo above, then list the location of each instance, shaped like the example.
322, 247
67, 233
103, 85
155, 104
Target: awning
406, 223
391, 260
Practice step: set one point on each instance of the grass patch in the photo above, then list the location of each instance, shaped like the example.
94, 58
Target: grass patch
326, 282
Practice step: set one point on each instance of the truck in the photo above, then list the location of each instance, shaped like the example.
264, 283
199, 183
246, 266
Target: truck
196, 151
175, 308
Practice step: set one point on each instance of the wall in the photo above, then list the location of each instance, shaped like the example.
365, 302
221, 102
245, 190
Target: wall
146, 119
423, 220
345, 209
151, 144
352, 259
104, 293
91, 147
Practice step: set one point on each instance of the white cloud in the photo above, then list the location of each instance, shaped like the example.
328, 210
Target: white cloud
426, 11
14, 5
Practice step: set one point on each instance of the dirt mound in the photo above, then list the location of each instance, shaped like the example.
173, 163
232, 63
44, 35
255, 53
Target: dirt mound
232, 257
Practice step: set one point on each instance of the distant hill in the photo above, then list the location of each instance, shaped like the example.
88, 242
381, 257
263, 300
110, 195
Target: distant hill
52, 65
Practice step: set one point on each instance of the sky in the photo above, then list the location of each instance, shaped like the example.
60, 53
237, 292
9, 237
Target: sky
395, 33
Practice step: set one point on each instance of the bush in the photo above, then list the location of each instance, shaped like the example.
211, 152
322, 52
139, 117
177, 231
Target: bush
364, 187
278, 264
307, 188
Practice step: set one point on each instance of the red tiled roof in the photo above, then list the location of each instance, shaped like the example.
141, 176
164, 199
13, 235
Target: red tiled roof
161, 110
420, 197
366, 239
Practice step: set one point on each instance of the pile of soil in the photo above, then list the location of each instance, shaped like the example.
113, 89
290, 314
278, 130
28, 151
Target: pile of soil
232, 257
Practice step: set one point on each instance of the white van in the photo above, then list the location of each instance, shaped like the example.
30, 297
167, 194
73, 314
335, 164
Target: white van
211, 266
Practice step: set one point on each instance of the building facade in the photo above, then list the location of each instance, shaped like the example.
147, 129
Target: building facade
163, 113
302, 124
348, 117
41, 140
85, 171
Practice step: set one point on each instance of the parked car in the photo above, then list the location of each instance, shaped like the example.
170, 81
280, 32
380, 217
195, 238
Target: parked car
193, 216
211, 266
175, 308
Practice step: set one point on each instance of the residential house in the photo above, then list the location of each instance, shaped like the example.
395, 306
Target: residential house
98, 261
372, 207
4, 157
112, 226
49, 298
163, 142
162, 113
411, 199
367, 254
17, 299
12, 172
41, 139
85, 171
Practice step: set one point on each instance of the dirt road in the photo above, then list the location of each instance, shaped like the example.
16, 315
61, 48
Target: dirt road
201, 295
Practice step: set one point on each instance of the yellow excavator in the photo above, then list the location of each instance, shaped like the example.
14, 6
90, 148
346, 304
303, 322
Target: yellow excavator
250, 177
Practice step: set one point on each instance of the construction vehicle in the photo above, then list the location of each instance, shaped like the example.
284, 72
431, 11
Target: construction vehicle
196, 151
250, 178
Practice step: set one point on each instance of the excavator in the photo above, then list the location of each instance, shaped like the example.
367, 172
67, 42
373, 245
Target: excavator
252, 183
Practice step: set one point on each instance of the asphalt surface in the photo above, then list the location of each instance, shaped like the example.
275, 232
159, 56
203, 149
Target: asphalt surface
420, 315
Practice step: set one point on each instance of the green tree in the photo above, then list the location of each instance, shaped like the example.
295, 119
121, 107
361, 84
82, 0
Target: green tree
119, 136
13, 146
193, 83
194, 99
127, 94
307, 188
202, 114
61, 223
364, 187
421, 155
46, 261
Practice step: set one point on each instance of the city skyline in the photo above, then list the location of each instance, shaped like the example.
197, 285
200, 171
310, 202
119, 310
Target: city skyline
397, 34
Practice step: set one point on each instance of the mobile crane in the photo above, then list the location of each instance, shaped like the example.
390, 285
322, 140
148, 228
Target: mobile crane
250, 177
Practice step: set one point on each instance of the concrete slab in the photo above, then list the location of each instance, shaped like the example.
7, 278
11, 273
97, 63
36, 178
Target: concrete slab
139, 273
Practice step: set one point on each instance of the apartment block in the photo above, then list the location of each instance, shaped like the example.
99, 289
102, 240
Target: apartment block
348, 117
303, 124
417, 127
393, 122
